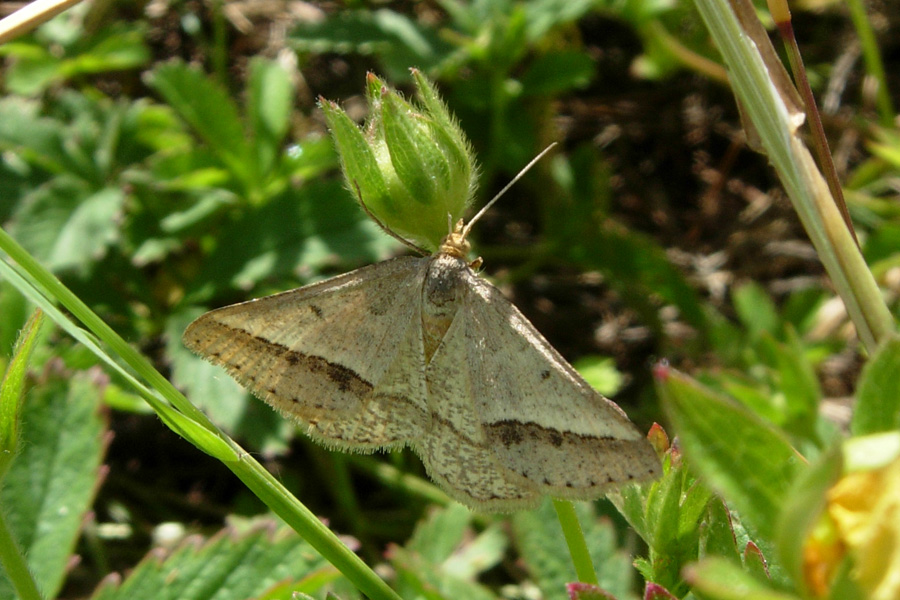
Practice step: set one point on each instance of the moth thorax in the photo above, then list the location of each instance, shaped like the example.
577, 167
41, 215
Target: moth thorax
442, 296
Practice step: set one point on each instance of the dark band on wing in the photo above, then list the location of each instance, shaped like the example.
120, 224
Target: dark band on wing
345, 378
511, 432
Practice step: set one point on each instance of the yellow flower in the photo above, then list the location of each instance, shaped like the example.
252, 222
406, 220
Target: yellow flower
823, 553
864, 508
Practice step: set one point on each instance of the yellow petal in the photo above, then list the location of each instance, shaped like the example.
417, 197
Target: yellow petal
865, 507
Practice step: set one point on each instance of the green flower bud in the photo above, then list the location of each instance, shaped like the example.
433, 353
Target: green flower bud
410, 165
11, 390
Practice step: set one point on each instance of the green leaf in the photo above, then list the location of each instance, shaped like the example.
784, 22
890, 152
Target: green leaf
436, 537
52, 481
557, 72
397, 41
545, 554
269, 105
418, 161
303, 231
89, 231
717, 533
803, 507
311, 158
441, 539
744, 457
796, 385
442, 560
67, 226
481, 554
24, 131
758, 397
720, 579
878, 392
14, 312
230, 566
44, 213
756, 310
543, 15
115, 48
33, 70
87, 142
587, 591
667, 515
601, 373
802, 309
755, 562
211, 112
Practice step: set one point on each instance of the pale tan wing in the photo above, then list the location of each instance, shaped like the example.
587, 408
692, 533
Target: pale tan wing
343, 356
455, 449
540, 418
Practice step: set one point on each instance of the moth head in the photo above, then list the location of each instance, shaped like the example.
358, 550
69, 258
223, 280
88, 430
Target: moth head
456, 244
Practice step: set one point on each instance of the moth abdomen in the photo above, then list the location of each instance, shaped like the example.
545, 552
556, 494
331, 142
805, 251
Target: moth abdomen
443, 290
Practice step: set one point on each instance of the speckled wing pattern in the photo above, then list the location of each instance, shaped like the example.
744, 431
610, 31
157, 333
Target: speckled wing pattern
512, 421
342, 356
423, 352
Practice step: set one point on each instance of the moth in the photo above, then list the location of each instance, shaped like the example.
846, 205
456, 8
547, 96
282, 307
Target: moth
422, 352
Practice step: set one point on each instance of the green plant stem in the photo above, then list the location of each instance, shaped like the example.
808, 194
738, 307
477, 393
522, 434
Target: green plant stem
334, 469
15, 565
874, 64
219, 50
53, 288
185, 419
397, 479
574, 535
96, 549
692, 60
820, 142
759, 82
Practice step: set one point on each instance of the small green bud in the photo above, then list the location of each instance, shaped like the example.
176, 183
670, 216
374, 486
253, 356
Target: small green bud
11, 390
411, 165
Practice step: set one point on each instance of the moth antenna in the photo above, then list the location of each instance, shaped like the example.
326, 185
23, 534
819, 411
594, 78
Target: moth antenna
525, 169
384, 227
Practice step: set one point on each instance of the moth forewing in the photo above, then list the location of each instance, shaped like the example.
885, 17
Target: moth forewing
317, 353
423, 352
